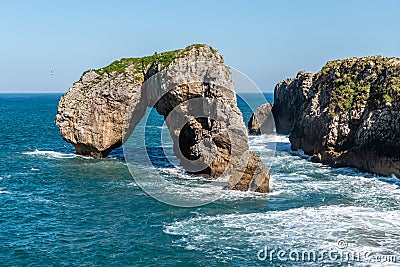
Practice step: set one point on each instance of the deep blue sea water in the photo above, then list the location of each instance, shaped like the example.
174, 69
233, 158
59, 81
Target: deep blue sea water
58, 209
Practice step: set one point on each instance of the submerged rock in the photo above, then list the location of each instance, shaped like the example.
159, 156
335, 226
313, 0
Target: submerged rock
191, 88
351, 117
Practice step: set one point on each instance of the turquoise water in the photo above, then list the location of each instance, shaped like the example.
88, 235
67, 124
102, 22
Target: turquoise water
59, 209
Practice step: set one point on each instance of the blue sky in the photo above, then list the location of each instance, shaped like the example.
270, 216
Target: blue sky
266, 40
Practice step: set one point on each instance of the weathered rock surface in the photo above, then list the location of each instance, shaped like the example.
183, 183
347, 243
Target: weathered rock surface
351, 117
191, 88
91, 115
289, 97
262, 120
253, 176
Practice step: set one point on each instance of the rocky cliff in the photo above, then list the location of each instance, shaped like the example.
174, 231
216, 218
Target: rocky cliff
289, 97
191, 88
351, 115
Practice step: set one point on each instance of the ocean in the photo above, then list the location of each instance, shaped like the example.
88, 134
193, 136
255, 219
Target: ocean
60, 209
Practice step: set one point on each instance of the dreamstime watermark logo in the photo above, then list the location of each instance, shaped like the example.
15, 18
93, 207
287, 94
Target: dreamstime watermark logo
201, 122
339, 254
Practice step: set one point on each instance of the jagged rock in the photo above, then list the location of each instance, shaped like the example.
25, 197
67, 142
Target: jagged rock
352, 118
289, 96
198, 103
262, 120
191, 88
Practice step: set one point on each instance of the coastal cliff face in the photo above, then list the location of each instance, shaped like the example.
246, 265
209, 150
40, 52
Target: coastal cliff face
289, 97
191, 88
351, 117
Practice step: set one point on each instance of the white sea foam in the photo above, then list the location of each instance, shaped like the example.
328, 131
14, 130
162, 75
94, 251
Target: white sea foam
177, 187
347, 204
301, 154
365, 229
282, 139
6, 176
42, 200
52, 154
122, 184
2, 191
268, 138
158, 127
190, 247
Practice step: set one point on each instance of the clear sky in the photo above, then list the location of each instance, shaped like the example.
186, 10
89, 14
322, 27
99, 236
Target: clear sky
267, 40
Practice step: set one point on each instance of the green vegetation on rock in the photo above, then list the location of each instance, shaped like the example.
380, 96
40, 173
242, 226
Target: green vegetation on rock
355, 81
142, 65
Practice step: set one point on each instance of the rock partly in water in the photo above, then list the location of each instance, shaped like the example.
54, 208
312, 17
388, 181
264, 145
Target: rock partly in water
92, 114
352, 115
191, 88
253, 178
196, 96
262, 120
289, 97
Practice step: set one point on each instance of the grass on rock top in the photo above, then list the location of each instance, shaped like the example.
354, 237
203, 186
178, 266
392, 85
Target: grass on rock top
142, 64
356, 81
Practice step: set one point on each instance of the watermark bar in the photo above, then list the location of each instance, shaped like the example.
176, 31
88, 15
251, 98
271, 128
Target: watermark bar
339, 254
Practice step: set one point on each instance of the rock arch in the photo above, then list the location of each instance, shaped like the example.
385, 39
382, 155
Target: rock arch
192, 88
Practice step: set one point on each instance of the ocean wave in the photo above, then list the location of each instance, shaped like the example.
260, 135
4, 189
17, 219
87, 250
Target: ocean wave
6, 176
176, 187
294, 177
318, 228
157, 127
2, 191
123, 184
267, 138
53, 154
300, 153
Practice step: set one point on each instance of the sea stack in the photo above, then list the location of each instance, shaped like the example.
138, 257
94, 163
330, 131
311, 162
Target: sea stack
192, 88
262, 120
